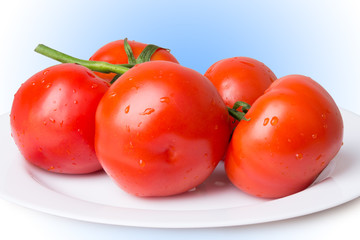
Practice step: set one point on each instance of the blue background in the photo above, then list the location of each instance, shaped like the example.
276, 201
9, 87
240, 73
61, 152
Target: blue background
314, 38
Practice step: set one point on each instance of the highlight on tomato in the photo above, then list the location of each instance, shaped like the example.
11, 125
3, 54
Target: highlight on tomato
240, 79
295, 130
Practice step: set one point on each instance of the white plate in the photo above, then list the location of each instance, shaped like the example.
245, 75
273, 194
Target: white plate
215, 203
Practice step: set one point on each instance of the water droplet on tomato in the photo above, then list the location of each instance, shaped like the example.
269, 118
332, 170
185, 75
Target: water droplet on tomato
61, 123
142, 163
318, 158
148, 111
266, 121
51, 168
131, 144
113, 94
274, 121
45, 123
33, 83
94, 85
314, 136
299, 156
74, 90
45, 72
165, 100
75, 102
127, 109
323, 116
52, 120
130, 78
289, 140
48, 85
325, 126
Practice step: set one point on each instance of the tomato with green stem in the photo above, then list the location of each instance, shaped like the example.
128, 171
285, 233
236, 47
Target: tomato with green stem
295, 130
115, 53
240, 79
161, 129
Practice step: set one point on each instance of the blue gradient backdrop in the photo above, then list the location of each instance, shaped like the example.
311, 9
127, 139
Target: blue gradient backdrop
319, 39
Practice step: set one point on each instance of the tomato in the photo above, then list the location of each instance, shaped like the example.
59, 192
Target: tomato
295, 130
240, 79
161, 129
114, 52
53, 118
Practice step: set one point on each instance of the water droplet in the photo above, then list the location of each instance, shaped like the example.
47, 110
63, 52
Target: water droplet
52, 120
51, 168
127, 109
193, 189
299, 156
323, 116
33, 83
74, 90
314, 136
274, 121
113, 94
142, 163
318, 158
130, 78
61, 123
94, 85
43, 80
165, 99
322, 163
45, 123
266, 121
75, 102
131, 144
289, 140
48, 85
148, 111
325, 126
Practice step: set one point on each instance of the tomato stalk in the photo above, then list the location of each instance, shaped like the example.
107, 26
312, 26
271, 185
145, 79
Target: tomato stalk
239, 115
97, 66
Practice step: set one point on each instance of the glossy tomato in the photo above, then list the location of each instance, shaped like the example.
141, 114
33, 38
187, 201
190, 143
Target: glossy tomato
295, 130
53, 118
161, 129
240, 79
114, 52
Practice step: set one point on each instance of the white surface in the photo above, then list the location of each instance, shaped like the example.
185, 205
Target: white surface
95, 198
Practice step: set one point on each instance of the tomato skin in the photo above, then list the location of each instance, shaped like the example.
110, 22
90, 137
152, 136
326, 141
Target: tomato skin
161, 129
240, 79
295, 130
53, 118
114, 53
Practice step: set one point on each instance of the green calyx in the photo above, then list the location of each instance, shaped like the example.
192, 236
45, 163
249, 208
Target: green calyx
239, 115
144, 56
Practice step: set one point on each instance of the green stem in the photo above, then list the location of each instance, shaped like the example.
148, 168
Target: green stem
97, 66
237, 114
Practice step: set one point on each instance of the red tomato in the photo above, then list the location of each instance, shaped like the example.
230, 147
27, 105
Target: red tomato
114, 53
295, 130
161, 129
53, 118
240, 79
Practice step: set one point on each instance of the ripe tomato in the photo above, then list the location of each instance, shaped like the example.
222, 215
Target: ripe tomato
240, 79
114, 52
53, 118
295, 130
161, 129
